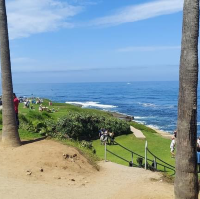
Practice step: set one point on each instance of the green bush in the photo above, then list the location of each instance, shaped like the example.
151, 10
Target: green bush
33, 122
84, 126
78, 126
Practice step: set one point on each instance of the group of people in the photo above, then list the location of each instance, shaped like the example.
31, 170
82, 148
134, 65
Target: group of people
28, 103
45, 108
106, 137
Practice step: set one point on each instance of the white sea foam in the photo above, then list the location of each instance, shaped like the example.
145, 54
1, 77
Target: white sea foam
147, 104
92, 104
172, 106
139, 118
154, 127
140, 122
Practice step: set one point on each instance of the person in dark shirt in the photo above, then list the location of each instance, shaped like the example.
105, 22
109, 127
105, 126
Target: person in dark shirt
16, 104
175, 133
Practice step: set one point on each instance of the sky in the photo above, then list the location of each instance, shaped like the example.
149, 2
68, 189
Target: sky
60, 41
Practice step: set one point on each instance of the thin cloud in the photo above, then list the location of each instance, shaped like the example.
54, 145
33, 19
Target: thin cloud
147, 48
140, 12
78, 70
26, 17
21, 60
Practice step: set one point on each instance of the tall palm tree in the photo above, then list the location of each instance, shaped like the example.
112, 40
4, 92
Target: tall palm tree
10, 135
186, 179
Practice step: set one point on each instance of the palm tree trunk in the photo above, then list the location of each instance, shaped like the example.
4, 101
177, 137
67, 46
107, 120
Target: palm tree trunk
186, 179
10, 135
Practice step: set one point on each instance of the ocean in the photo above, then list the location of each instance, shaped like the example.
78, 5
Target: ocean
151, 103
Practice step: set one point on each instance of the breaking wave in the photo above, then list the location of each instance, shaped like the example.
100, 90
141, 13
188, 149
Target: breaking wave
92, 104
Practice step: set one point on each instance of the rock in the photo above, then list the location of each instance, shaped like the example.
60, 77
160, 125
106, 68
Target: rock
59, 178
65, 156
75, 155
72, 179
28, 172
65, 167
41, 170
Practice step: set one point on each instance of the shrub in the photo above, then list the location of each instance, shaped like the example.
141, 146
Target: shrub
84, 126
78, 126
33, 125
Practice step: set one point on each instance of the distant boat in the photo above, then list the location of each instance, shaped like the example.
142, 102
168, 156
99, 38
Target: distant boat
128, 83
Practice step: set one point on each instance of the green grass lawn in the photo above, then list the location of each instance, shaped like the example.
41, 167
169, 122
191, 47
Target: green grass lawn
61, 109
158, 145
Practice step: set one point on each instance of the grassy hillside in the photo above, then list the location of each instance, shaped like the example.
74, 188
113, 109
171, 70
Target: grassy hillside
156, 144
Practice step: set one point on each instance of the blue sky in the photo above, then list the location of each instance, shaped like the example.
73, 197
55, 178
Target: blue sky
94, 40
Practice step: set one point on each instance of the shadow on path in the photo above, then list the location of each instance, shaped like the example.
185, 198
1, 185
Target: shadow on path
32, 141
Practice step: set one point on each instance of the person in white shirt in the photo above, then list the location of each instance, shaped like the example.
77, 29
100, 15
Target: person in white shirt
172, 147
198, 144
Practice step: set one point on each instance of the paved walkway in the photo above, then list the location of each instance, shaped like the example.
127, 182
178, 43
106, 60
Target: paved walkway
137, 133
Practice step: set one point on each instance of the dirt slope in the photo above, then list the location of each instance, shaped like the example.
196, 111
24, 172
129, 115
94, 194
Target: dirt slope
39, 171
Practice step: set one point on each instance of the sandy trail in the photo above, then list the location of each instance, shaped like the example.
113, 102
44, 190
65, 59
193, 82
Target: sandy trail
72, 178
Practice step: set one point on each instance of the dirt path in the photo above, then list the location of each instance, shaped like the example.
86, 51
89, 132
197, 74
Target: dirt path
73, 177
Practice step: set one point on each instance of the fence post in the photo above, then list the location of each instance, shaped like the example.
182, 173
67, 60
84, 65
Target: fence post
132, 157
105, 152
155, 164
145, 155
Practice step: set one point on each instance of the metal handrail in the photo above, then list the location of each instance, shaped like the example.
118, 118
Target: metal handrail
170, 167
129, 150
120, 157
157, 163
160, 159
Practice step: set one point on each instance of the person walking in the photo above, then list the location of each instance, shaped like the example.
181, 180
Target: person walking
172, 147
16, 104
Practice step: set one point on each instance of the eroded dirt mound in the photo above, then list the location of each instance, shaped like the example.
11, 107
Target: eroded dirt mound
45, 160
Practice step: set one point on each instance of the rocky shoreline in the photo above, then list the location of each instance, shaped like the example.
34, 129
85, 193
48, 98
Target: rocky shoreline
127, 118
122, 116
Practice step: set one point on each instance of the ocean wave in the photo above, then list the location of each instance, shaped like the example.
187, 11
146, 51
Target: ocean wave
147, 104
147, 117
154, 127
91, 104
140, 122
171, 106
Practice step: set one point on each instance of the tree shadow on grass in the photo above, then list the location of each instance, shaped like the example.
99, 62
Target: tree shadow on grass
32, 141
